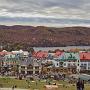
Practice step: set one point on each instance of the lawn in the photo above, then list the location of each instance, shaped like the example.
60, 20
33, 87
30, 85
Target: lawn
9, 82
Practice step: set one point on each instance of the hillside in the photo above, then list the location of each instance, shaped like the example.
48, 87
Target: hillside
41, 36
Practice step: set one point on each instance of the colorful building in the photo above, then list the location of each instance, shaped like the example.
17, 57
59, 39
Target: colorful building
70, 60
29, 67
85, 61
11, 59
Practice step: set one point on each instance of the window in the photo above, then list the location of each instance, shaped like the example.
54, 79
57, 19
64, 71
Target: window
85, 64
57, 64
74, 64
89, 68
36, 72
23, 67
69, 64
23, 72
36, 67
29, 67
29, 72
81, 64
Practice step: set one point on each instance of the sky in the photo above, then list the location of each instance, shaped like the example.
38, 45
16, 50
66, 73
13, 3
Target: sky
45, 12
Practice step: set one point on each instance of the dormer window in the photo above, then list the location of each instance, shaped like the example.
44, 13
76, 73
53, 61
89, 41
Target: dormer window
70, 55
84, 56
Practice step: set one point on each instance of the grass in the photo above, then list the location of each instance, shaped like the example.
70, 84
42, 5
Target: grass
9, 82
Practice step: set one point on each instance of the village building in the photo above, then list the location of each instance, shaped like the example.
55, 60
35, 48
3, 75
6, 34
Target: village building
11, 59
84, 61
21, 53
29, 67
70, 60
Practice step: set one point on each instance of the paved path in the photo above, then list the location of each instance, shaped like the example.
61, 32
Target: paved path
11, 89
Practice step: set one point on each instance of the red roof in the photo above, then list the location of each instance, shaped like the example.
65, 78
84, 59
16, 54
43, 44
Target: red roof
85, 56
58, 53
40, 54
5, 53
34, 54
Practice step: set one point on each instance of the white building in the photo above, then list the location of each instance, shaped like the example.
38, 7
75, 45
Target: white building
70, 60
85, 61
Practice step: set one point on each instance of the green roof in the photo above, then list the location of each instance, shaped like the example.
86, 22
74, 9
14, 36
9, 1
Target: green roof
69, 56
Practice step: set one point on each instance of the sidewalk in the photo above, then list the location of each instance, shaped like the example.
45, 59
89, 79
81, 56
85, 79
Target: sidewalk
11, 89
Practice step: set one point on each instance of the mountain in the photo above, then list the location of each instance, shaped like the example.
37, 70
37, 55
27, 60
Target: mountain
41, 36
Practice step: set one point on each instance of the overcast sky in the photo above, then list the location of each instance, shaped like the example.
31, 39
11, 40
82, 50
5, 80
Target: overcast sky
45, 12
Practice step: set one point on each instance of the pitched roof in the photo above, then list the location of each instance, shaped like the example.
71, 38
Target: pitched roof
29, 61
40, 54
69, 56
85, 56
58, 53
5, 53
